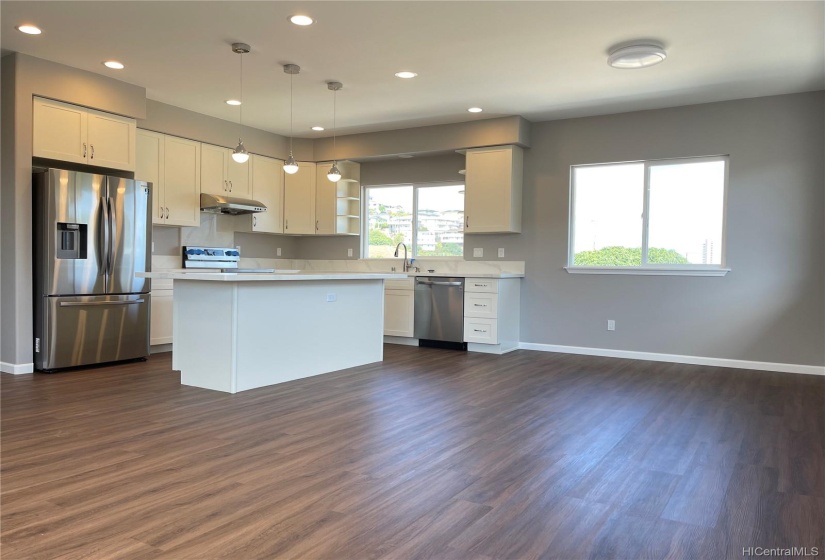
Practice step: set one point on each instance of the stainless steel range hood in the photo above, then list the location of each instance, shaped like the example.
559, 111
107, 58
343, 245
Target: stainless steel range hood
219, 204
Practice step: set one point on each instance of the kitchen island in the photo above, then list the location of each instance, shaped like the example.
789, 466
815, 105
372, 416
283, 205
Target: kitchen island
238, 331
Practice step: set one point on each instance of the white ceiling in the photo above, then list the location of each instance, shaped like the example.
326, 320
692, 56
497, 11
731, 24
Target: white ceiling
542, 60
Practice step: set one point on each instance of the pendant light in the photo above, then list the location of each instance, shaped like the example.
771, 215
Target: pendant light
334, 175
291, 166
240, 154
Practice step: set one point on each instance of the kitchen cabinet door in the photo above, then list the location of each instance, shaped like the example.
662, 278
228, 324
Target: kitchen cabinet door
213, 170
160, 321
182, 179
299, 200
398, 312
492, 202
325, 200
268, 187
111, 140
238, 176
149, 167
60, 131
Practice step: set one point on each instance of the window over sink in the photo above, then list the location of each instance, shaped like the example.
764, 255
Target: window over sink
427, 217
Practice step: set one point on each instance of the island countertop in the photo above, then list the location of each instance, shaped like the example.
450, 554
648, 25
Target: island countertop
277, 276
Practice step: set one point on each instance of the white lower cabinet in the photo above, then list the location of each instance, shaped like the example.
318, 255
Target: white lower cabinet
160, 324
399, 305
491, 314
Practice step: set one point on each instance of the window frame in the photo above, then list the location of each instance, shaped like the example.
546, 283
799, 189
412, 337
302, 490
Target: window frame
413, 249
647, 268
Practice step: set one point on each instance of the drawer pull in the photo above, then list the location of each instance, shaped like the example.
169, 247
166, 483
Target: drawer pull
480, 305
479, 330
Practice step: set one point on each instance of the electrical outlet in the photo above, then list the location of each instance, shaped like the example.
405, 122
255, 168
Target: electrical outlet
501, 252
238, 247
349, 252
332, 297
278, 251
611, 325
153, 246
478, 251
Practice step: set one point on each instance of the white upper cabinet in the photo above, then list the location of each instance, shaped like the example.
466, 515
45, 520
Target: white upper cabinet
338, 205
268, 187
70, 133
220, 174
492, 202
299, 200
173, 166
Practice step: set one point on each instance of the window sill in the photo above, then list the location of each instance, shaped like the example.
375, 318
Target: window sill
649, 271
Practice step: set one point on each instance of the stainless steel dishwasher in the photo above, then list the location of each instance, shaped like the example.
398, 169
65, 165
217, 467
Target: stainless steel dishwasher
439, 311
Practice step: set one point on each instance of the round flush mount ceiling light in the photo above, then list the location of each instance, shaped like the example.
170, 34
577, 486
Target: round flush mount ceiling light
114, 65
636, 56
29, 29
301, 20
318, 128
474, 110
233, 102
405, 74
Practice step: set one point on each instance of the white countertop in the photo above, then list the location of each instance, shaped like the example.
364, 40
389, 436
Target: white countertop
216, 275
266, 276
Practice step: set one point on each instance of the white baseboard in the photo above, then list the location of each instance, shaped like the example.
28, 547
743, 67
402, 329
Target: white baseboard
159, 348
16, 369
675, 358
401, 340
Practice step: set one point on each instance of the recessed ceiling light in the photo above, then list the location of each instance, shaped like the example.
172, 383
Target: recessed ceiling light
301, 20
29, 29
474, 109
318, 128
406, 75
232, 102
637, 56
113, 64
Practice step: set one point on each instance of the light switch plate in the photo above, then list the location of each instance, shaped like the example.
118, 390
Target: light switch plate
478, 251
278, 251
332, 297
501, 252
349, 252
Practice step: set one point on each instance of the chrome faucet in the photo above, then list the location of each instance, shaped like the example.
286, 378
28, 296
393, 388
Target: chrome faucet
406, 264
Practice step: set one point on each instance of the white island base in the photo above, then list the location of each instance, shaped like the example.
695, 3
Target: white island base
235, 335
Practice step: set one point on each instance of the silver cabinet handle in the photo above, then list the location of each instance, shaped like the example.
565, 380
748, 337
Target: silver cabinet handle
479, 305
93, 151
85, 303
167, 212
478, 330
286, 225
160, 213
316, 225
466, 221
254, 221
431, 283
84, 149
230, 186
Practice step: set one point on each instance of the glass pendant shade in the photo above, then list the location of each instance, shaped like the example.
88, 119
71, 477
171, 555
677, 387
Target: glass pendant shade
291, 166
334, 175
240, 154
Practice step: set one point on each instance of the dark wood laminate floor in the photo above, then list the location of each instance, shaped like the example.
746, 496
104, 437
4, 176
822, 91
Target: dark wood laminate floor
430, 454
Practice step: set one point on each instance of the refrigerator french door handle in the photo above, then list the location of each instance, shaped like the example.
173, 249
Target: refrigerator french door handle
87, 303
112, 231
103, 231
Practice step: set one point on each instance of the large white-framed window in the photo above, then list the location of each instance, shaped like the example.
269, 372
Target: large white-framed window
649, 217
427, 217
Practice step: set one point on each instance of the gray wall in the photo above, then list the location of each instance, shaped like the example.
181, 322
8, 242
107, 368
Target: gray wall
770, 307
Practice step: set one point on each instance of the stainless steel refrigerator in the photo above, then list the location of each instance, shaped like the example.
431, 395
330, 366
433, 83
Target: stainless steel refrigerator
92, 233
